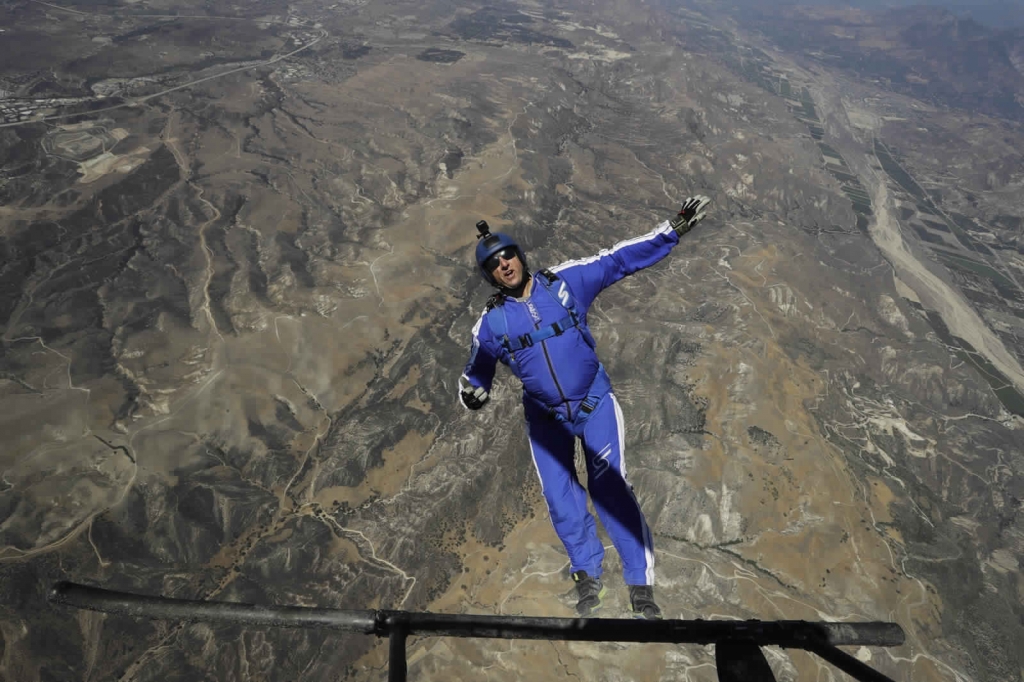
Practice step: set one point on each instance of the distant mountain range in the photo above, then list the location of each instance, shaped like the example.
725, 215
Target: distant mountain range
924, 51
995, 13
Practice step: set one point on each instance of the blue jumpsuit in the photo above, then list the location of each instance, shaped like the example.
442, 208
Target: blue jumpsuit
562, 377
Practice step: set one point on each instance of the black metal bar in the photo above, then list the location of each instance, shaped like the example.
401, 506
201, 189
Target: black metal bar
736, 638
191, 611
398, 667
785, 633
848, 664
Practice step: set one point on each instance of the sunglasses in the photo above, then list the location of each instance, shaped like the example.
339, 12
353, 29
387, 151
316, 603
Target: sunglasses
508, 253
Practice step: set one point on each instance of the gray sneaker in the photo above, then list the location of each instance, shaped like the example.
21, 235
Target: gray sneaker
589, 592
641, 600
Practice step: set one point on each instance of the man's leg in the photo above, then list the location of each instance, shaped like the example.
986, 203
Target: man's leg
552, 445
604, 442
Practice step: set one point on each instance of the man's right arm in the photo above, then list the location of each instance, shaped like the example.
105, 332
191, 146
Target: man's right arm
475, 382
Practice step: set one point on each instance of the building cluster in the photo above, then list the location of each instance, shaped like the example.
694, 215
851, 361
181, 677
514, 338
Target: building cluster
17, 110
116, 86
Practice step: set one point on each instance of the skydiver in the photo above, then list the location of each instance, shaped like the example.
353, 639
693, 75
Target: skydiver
536, 324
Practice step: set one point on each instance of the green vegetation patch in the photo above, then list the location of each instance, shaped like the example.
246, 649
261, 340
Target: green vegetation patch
966, 345
829, 149
439, 56
965, 223
982, 299
992, 375
975, 267
1010, 293
897, 173
1009, 222
960, 234
1011, 399
935, 225
841, 176
754, 71
1009, 396
496, 23
940, 328
927, 236
355, 51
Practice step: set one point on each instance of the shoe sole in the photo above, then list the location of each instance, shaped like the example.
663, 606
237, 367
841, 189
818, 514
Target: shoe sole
639, 615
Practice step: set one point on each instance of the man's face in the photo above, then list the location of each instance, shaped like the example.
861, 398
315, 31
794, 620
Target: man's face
506, 268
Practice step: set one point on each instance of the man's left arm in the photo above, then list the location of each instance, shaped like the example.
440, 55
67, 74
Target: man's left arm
589, 276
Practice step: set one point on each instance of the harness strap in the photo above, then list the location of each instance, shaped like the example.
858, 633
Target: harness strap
598, 390
499, 322
600, 387
542, 334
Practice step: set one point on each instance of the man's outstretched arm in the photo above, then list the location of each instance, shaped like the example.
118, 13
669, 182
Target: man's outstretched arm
587, 277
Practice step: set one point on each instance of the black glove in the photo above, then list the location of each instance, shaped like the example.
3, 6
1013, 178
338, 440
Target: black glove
692, 212
472, 396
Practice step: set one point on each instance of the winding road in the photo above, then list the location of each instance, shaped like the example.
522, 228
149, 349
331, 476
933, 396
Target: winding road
139, 100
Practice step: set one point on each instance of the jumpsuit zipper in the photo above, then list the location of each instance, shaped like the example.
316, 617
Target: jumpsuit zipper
551, 368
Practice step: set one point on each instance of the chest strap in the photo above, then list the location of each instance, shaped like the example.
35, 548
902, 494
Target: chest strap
563, 297
542, 334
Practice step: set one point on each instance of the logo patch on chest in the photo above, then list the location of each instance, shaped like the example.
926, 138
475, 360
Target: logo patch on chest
533, 311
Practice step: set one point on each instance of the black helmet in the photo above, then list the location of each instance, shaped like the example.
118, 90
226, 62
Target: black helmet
490, 244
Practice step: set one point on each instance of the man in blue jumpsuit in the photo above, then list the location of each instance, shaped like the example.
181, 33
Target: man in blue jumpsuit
537, 326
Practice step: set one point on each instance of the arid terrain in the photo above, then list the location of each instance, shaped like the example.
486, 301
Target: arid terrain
237, 289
